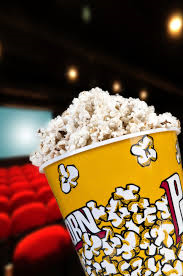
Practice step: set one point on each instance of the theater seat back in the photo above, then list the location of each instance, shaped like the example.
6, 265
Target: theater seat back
4, 205
28, 217
22, 198
5, 226
53, 211
44, 194
40, 252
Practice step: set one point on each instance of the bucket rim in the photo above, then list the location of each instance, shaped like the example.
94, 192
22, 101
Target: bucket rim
105, 142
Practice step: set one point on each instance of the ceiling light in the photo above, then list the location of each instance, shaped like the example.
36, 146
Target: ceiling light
86, 14
72, 74
116, 87
175, 25
143, 94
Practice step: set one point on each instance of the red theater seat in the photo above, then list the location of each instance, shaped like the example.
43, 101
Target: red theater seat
40, 252
21, 198
28, 217
4, 190
39, 182
4, 205
14, 169
3, 172
19, 186
3, 181
18, 178
5, 226
53, 211
44, 194
29, 167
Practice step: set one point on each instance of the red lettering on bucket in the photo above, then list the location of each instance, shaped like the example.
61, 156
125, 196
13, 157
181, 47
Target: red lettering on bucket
173, 189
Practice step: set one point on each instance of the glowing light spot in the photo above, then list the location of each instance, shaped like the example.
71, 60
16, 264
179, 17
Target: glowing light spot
72, 74
175, 25
143, 94
116, 87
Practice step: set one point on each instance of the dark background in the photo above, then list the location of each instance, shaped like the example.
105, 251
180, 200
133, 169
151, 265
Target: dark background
120, 40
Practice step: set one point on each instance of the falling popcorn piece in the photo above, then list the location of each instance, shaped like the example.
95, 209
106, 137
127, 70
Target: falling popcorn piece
68, 177
144, 150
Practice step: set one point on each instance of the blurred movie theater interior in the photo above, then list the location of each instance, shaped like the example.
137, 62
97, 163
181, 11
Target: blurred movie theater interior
49, 52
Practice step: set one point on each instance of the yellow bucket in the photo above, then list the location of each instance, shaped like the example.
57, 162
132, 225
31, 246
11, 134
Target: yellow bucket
122, 202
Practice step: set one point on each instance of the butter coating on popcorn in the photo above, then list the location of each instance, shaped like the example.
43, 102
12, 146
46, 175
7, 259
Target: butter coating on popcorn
97, 116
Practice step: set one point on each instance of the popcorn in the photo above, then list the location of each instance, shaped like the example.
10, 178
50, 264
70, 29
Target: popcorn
173, 270
111, 243
180, 253
152, 267
97, 116
130, 245
130, 225
98, 213
143, 212
128, 194
147, 244
123, 268
162, 206
109, 267
142, 246
136, 265
68, 176
117, 213
168, 254
97, 267
162, 232
91, 245
148, 216
144, 150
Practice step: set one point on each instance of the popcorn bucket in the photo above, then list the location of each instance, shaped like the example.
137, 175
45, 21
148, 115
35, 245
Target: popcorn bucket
122, 202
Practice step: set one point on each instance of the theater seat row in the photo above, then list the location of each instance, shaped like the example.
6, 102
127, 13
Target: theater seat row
20, 198
28, 217
28, 213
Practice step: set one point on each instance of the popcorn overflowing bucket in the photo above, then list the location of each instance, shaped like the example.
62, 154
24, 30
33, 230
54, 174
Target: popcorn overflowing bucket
122, 202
